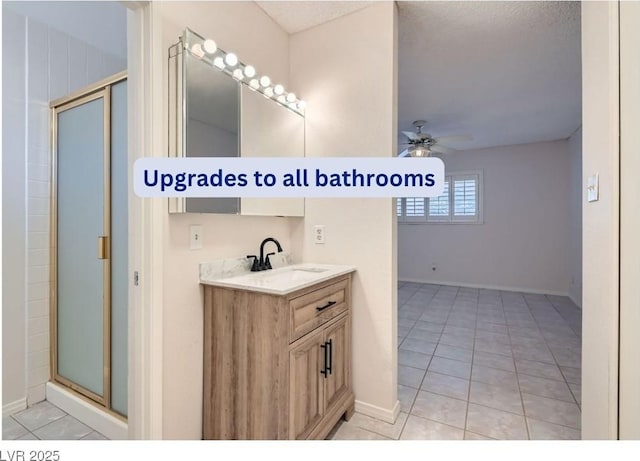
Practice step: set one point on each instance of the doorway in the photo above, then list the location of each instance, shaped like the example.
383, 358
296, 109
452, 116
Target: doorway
89, 249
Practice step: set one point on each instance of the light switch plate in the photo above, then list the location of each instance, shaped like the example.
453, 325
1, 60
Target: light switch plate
593, 188
196, 237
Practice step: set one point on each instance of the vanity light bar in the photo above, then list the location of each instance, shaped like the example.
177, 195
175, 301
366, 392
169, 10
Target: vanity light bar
208, 51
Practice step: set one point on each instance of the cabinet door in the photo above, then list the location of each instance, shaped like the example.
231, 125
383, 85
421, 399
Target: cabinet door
306, 404
337, 338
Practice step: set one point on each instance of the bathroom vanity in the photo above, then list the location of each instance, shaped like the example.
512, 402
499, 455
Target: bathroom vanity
277, 353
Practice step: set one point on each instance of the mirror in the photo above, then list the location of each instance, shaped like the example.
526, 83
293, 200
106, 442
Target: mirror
212, 114
270, 130
212, 125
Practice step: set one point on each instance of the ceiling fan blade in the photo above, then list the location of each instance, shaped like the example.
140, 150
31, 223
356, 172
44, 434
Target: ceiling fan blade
404, 153
463, 137
411, 135
442, 149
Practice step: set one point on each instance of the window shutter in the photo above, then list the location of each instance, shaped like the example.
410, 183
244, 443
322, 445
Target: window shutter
465, 198
439, 206
414, 207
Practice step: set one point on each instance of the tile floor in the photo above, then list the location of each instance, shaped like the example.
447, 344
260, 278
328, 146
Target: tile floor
482, 364
472, 364
44, 421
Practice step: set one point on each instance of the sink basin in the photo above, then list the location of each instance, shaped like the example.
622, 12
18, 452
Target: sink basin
310, 269
293, 275
284, 274
282, 280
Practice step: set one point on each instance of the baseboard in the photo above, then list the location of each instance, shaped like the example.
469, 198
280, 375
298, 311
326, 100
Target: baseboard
488, 287
377, 412
575, 301
108, 425
14, 407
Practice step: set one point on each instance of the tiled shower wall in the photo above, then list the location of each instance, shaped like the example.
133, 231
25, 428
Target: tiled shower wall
53, 64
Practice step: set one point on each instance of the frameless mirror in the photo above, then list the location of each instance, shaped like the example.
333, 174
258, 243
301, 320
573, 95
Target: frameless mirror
212, 125
270, 130
213, 114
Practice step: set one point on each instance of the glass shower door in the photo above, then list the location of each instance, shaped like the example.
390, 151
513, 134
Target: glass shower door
81, 233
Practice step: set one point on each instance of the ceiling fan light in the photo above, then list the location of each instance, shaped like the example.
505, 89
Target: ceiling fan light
420, 151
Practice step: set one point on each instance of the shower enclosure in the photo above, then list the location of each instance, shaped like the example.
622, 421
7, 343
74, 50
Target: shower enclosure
89, 295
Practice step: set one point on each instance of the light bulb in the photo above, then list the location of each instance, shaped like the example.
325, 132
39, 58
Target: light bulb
210, 46
231, 59
420, 151
196, 49
268, 91
219, 62
278, 89
265, 81
250, 71
302, 104
291, 97
237, 74
282, 99
254, 84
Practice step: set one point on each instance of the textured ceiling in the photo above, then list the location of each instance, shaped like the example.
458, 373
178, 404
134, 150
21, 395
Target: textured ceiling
297, 16
503, 72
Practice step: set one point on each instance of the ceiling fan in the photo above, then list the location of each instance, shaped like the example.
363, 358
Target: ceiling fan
424, 145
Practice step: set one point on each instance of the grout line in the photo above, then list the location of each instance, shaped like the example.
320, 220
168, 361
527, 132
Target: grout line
473, 354
453, 310
444, 424
415, 397
409, 412
18, 422
524, 410
556, 363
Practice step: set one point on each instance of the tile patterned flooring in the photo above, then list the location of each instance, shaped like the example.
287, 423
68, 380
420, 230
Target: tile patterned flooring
44, 421
482, 364
472, 364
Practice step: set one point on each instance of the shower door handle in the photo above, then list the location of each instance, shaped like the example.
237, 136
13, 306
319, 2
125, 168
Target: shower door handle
103, 247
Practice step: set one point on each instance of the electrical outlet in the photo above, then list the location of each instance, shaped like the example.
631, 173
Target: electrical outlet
433, 267
318, 234
196, 237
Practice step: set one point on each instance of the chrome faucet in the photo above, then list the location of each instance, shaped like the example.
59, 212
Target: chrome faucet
263, 263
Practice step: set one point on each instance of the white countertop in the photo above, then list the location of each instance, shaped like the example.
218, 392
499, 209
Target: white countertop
281, 281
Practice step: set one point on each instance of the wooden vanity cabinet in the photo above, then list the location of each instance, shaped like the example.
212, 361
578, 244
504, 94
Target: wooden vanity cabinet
277, 367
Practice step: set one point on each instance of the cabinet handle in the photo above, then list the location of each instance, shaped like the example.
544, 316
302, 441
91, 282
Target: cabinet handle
330, 344
329, 304
324, 368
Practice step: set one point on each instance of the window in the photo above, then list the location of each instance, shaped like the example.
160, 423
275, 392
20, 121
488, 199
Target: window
460, 202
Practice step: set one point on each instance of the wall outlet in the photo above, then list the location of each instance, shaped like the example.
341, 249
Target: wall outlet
433, 266
318, 234
196, 237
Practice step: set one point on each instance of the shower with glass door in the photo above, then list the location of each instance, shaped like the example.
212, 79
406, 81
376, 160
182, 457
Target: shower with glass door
89, 252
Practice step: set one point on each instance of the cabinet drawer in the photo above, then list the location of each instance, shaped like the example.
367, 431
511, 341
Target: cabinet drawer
315, 308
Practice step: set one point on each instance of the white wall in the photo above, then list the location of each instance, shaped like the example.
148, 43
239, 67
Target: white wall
575, 217
101, 24
13, 215
629, 220
346, 71
57, 64
600, 230
523, 243
244, 28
